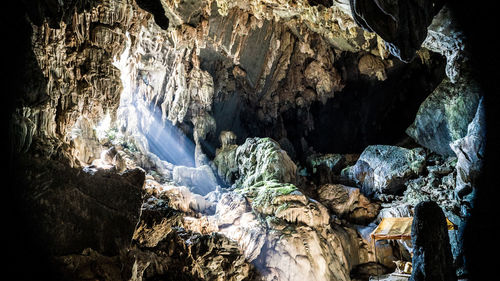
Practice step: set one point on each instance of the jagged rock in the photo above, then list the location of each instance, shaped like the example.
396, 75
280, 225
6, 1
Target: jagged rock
178, 198
184, 12
470, 152
443, 117
372, 66
87, 146
326, 168
281, 242
432, 258
347, 202
288, 211
438, 185
155, 7
445, 37
286, 202
269, 65
225, 161
312, 257
262, 159
384, 168
73, 210
402, 25
227, 138
397, 210
332, 21
73, 45
185, 255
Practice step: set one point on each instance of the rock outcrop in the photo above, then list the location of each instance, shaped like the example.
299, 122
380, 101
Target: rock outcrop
470, 152
384, 169
444, 36
348, 202
443, 117
402, 25
74, 209
327, 168
432, 259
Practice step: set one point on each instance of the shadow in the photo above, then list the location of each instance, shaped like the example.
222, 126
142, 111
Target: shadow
478, 21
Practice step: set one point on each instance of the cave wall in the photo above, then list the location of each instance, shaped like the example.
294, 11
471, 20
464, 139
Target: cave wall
281, 78
279, 72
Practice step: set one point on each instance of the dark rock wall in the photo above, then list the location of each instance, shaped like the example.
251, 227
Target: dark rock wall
73, 210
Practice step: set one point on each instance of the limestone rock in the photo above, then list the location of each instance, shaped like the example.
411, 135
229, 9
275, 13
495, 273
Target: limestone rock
327, 168
72, 50
402, 25
285, 201
384, 168
347, 202
445, 37
225, 161
262, 159
443, 117
314, 252
204, 257
167, 231
74, 210
438, 185
372, 66
201, 180
470, 152
333, 20
227, 138
432, 259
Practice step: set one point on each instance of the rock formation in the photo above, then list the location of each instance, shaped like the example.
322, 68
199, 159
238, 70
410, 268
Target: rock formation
402, 25
432, 258
241, 140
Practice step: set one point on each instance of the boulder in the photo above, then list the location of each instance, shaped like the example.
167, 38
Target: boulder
384, 168
348, 202
432, 258
286, 202
256, 160
444, 115
187, 255
262, 159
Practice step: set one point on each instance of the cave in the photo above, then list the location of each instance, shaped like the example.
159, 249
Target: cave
250, 140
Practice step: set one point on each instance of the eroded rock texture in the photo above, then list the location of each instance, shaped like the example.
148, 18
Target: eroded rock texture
444, 116
402, 24
383, 169
240, 140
